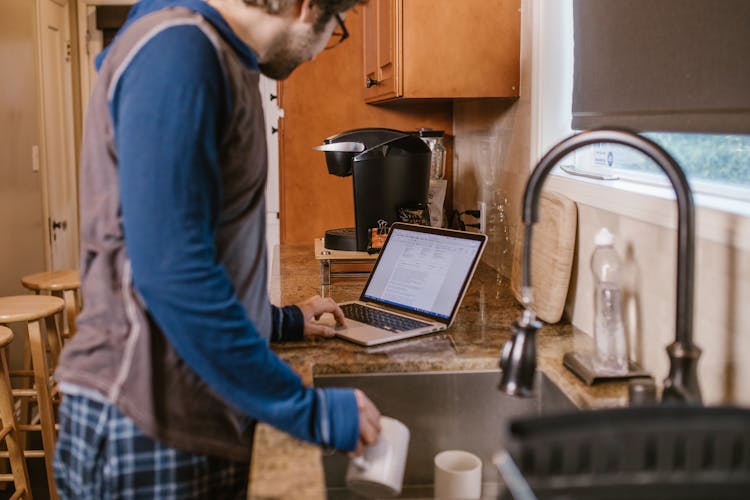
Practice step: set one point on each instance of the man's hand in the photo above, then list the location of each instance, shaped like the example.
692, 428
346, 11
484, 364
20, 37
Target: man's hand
312, 309
369, 422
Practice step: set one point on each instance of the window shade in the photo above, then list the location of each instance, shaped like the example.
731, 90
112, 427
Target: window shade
662, 65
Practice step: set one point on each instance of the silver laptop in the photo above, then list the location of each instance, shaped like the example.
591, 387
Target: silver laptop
416, 286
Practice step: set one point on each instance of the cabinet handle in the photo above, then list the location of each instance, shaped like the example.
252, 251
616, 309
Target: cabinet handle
369, 82
274, 97
274, 130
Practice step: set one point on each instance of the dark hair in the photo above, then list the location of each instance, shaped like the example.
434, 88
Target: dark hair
327, 8
330, 7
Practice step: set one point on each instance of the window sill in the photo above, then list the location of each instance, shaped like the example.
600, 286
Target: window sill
720, 220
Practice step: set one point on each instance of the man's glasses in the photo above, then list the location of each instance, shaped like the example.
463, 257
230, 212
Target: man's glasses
338, 35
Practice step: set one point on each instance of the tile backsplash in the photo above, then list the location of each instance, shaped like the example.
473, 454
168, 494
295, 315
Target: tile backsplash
487, 141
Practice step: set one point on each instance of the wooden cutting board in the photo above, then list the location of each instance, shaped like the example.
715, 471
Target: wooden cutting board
553, 246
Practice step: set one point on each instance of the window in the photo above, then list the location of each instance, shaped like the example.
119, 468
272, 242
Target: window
714, 164
717, 165
710, 157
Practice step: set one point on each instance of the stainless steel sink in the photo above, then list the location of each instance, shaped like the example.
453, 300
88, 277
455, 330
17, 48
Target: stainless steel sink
444, 410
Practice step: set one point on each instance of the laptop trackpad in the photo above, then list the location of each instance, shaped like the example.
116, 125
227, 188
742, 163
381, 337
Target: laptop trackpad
348, 327
362, 334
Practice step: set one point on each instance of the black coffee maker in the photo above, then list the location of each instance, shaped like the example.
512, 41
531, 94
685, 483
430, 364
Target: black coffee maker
390, 172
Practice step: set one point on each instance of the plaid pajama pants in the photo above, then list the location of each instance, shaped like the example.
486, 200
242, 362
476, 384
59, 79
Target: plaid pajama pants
102, 455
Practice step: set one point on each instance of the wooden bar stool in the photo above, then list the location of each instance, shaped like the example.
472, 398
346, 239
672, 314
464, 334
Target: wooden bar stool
9, 431
40, 316
65, 284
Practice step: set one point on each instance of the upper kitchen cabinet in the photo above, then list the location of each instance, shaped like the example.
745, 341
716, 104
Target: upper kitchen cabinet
441, 49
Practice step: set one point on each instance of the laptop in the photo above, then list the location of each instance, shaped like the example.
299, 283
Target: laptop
416, 286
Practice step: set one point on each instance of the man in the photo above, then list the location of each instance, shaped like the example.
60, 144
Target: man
170, 368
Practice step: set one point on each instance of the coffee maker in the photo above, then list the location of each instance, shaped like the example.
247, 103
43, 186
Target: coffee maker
390, 171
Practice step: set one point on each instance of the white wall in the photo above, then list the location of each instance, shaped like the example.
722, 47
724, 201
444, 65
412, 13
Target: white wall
495, 147
21, 245
21, 228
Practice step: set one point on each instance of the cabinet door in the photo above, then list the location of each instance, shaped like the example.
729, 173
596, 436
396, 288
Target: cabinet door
460, 49
447, 49
382, 49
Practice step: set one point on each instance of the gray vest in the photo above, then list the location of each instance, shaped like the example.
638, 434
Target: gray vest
117, 351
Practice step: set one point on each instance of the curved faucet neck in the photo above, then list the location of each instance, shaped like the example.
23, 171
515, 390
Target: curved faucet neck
685, 240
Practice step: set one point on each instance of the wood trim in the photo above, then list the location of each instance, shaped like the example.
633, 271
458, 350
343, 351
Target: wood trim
75, 73
83, 76
398, 32
41, 136
283, 180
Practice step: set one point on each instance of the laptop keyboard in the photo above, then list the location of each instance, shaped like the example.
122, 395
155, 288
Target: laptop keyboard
380, 319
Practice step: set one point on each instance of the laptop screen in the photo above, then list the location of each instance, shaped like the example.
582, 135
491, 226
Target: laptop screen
424, 270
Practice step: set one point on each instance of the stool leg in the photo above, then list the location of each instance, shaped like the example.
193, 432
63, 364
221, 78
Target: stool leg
60, 294
24, 416
71, 309
70, 297
15, 451
53, 327
46, 413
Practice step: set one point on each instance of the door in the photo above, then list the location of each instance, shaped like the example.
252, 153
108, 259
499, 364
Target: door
272, 113
57, 134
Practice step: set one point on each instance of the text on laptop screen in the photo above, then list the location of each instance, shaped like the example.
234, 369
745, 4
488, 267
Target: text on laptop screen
423, 272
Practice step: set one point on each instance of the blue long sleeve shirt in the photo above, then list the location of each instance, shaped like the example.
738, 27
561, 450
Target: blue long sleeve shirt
169, 110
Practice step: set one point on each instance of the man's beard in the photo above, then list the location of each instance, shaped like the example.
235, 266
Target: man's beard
288, 52
280, 67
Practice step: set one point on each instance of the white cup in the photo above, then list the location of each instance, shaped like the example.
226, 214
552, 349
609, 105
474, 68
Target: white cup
379, 472
458, 474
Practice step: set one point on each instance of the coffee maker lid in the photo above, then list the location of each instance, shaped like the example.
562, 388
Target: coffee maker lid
405, 145
370, 137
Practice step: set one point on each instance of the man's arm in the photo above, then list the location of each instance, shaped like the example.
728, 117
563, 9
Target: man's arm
168, 110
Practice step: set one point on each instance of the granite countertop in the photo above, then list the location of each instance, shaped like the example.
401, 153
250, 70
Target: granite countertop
284, 467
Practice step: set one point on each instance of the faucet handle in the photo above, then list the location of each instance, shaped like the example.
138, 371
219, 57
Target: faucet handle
518, 358
642, 392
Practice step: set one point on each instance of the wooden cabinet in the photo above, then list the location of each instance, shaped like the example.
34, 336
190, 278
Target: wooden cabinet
382, 42
443, 49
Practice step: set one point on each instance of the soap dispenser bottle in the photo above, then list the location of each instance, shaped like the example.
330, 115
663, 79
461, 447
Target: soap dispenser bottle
611, 357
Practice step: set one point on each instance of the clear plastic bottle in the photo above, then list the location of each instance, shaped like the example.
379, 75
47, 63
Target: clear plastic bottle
609, 331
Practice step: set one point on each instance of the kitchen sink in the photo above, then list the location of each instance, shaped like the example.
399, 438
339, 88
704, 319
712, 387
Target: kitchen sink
443, 410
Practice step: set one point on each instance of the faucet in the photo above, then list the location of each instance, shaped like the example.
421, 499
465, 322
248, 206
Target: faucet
518, 357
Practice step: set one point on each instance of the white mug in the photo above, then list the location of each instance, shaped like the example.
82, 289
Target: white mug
458, 474
379, 472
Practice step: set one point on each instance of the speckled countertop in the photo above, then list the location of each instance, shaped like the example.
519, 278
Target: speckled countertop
286, 468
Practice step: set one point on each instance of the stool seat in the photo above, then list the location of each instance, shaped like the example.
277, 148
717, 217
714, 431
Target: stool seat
28, 307
6, 336
54, 281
